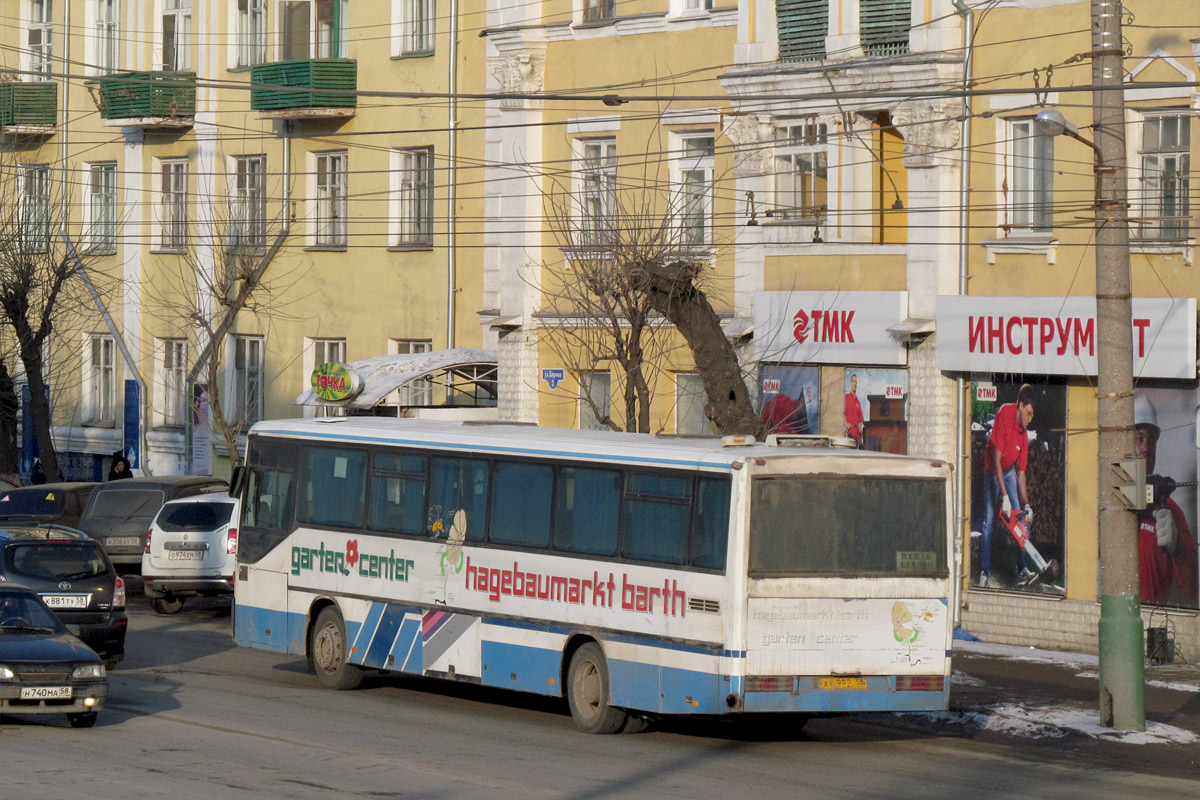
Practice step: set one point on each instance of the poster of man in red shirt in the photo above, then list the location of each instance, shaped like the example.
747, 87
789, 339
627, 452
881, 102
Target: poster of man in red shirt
1165, 434
1018, 456
875, 409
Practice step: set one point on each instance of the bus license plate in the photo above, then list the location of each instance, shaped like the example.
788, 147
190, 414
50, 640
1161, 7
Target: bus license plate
66, 600
123, 541
46, 693
842, 683
185, 555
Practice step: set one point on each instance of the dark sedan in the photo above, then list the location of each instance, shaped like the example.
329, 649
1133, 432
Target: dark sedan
43, 668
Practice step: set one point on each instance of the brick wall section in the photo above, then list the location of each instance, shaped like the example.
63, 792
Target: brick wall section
1069, 625
517, 368
931, 405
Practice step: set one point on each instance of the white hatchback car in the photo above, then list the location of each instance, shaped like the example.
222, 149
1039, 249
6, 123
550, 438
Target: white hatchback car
191, 550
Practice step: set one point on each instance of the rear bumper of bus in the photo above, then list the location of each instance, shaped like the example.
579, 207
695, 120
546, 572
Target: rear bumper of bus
875, 693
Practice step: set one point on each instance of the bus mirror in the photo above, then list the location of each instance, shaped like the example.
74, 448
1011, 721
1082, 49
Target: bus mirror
237, 481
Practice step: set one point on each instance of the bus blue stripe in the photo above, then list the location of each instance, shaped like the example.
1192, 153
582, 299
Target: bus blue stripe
407, 648
385, 635
615, 637
362, 638
478, 448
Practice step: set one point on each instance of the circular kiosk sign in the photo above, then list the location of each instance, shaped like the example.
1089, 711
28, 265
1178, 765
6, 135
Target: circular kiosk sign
335, 382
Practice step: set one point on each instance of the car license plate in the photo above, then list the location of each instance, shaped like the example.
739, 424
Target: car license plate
123, 541
185, 555
45, 692
66, 600
842, 683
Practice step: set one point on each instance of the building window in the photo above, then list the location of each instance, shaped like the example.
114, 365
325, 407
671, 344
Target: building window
248, 204
108, 15
412, 211
884, 26
695, 190
1166, 158
595, 387
689, 405
246, 401
35, 209
173, 388
416, 27
99, 380
173, 214
598, 9
177, 34
313, 26
101, 208
802, 169
251, 32
598, 169
330, 218
41, 38
416, 393
1032, 177
803, 26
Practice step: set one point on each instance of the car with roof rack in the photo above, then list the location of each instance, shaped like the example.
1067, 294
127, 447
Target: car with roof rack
71, 573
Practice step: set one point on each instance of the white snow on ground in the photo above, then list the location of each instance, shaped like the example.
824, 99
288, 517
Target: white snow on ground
1017, 653
963, 679
1043, 723
1175, 686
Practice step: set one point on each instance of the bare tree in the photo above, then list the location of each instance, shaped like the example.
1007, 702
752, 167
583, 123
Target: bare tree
41, 293
637, 256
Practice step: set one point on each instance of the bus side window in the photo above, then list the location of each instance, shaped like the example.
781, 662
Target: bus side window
457, 484
587, 510
710, 527
655, 518
267, 514
333, 485
521, 495
397, 494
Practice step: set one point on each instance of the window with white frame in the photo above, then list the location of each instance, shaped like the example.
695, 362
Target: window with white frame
101, 208
689, 405
41, 38
313, 29
173, 204
329, 218
802, 169
412, 197
248, 203
598, 9
100, 380
1165, 153
246, 386
416, 393
177, 34
251, 32
695, 189
172, 382
107, 28
34, 229
595, 386
598, 196
415, 27
1030, 178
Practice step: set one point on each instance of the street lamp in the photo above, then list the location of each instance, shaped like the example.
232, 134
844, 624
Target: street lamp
1122, 680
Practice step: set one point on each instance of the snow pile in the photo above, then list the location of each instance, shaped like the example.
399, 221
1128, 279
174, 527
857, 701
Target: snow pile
1048, 722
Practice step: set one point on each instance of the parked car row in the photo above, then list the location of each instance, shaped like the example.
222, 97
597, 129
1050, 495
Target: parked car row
62, 601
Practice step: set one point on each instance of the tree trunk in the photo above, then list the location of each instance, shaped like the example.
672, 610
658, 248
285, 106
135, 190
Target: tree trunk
672, 292
39, 410
10, 409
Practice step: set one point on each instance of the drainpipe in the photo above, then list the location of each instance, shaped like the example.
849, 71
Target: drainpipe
452, 188
81, 268
284, 229
964, 190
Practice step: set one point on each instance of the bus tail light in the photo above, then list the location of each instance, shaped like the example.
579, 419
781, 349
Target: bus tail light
920, 683
770, 683
119, 594
231, 542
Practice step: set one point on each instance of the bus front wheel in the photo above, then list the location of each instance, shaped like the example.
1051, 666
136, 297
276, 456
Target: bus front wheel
329, 652
588, 692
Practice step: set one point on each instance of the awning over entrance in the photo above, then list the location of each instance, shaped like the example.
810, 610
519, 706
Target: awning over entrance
462, 377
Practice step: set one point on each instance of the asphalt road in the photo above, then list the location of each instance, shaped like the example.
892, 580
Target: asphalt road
193, 716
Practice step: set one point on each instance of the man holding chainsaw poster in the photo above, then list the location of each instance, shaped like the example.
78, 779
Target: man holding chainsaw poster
1167, 560
1005, 462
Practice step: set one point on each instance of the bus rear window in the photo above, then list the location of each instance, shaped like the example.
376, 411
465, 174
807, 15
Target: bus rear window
847, 526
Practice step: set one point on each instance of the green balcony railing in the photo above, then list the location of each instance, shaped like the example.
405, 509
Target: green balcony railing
29, 103
125, 95
309, 83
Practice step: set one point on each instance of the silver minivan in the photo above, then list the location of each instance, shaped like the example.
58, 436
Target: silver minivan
191, 550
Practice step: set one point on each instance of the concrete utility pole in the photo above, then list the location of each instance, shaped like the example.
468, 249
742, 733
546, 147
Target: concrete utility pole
1122, 701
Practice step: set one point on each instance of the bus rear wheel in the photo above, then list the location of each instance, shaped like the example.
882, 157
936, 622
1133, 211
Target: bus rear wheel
329, 652
588, 692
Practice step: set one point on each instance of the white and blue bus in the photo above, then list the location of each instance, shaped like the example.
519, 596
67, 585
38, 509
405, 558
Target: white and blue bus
635, 576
